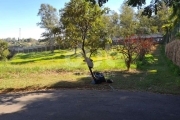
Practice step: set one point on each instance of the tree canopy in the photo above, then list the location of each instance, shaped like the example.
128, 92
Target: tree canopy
127, 21
49, 21
49, 17
153, 7
100, 2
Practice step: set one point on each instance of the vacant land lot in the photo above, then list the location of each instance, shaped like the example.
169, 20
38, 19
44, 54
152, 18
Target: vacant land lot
64, 69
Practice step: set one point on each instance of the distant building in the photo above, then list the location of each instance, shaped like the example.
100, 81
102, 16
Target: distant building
157, 38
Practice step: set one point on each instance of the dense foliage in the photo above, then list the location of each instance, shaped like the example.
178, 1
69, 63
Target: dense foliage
4, 52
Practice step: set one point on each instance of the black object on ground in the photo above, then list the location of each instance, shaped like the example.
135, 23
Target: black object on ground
100, 78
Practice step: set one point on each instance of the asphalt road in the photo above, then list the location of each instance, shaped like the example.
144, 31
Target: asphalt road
88, 105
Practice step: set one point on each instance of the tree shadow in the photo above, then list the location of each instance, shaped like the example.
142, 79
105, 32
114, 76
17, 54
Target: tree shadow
121, 80
87, 104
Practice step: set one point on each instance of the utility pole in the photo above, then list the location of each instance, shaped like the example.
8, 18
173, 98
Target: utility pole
19, 34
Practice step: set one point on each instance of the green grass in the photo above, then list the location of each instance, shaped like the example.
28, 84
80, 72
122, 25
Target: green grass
64, 69
62, 60
156, 76
49, 70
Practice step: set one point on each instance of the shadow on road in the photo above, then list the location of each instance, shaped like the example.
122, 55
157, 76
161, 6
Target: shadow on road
88, 105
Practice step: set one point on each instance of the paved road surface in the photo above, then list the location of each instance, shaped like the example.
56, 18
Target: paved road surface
89, 105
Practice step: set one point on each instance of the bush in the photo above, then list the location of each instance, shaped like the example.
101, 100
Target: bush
173, 67
4, 52
178, 35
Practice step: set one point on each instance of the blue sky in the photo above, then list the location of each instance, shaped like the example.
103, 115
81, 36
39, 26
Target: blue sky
22, 14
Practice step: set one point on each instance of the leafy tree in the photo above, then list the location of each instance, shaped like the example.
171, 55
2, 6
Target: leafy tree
71, 37
112, 23
153, 7
4, 52
144, 46
175, 16
100, 2
49, 21
83, 24
144, 24
161, 18
99, 38
128, 25
127, 21
157, 5
133, 46
154, 24
129, 50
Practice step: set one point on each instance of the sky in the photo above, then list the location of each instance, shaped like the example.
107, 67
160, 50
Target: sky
18, 18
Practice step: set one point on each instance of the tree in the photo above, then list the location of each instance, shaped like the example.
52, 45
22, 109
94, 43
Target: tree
100, 2
4, 52
175, 16
133, 46
157, 5
144, 24
153, 7
128, 25
112, 23
49, 21
99, 38
70, 37
129, 50
144, 46
127, 21
161, 18
83, 24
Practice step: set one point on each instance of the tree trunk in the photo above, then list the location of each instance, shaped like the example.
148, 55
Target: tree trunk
142, 54
84, 53
92, 73
52, 44
90, 69
128, 62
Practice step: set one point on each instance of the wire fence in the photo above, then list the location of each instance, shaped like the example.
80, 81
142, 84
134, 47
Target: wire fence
33, 49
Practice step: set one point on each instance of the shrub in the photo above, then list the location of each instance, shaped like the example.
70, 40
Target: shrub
4, 52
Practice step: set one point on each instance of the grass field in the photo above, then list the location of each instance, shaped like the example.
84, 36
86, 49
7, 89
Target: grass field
64, 69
